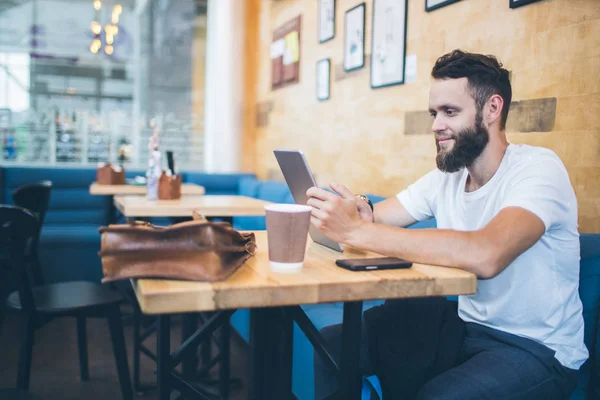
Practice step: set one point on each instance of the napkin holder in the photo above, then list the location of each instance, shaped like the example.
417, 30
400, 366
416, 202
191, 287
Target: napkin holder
169, 187
109, 175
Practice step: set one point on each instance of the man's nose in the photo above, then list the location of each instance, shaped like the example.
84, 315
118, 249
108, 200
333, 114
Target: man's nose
438, 125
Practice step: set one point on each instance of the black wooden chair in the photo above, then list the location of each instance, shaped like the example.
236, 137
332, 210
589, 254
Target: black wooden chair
38, 305
35, 197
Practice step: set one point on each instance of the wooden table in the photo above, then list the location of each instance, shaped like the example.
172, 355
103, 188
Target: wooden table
271, 295
208, 205
113, 190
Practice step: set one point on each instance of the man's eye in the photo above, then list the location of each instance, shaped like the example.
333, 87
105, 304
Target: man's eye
433, 114
450, 112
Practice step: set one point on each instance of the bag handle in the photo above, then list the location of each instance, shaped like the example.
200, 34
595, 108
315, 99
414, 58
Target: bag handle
135, 222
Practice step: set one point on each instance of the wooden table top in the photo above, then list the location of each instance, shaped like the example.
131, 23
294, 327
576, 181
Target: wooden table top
207, 205
319, 281
111, 190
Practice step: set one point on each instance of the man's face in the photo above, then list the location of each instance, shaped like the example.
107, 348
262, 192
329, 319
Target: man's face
460, 135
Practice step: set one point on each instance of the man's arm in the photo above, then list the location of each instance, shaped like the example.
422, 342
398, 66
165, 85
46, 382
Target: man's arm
485, 252
392, 212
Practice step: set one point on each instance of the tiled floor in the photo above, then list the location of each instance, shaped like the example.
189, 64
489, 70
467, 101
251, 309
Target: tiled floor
55, 369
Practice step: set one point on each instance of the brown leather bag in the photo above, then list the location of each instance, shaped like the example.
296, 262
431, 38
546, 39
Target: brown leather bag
197, 250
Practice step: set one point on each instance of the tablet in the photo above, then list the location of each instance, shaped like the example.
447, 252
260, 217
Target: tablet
299, 179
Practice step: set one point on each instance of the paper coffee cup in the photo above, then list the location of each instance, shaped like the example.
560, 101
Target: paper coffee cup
287, 232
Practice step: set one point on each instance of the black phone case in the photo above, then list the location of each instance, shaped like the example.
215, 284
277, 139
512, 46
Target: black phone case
373, 264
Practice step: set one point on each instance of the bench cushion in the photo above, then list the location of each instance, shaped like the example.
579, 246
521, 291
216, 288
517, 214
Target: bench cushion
216, 183
70, 252
70, 200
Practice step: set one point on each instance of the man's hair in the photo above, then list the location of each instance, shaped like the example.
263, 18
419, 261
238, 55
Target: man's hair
484, 72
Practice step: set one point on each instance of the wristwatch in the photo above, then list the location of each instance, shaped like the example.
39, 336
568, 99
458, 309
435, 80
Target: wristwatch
367, 200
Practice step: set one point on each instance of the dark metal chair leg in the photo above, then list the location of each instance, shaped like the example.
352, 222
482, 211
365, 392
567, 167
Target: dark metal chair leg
120, 352
84, 374
26, 352
38, 276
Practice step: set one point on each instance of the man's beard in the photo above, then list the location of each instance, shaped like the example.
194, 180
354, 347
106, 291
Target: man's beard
469, 143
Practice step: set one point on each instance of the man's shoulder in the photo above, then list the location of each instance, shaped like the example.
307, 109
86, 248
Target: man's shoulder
526, 159
524, 153
530, 165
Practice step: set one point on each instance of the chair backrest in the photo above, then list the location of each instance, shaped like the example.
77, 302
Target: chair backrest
18, 229
35, 197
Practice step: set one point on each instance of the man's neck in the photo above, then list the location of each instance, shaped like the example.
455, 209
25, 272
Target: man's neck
486, 165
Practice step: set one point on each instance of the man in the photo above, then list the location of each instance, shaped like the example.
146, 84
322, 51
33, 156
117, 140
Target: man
508, 214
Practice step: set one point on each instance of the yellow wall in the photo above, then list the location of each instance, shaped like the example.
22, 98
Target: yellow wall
357, 137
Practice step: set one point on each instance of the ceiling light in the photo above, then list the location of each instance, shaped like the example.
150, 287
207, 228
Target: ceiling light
96, 28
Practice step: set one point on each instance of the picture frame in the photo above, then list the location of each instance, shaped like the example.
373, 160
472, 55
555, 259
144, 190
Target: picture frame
388, 42
354, 38
326, 20
285, 54
323, 86
520, 3
431, 5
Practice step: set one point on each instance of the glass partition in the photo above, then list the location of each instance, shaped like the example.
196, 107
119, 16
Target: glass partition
81, 81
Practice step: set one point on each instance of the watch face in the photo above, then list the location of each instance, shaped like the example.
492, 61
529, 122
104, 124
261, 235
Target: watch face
366, 199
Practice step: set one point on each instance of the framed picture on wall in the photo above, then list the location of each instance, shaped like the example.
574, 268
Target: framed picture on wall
323, 79
354, 38
431, 5
326, 20
519, 3
388, 47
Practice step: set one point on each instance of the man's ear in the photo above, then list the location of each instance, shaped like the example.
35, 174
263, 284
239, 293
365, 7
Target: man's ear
493, 109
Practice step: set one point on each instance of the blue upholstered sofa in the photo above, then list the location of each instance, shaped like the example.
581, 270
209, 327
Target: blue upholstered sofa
70, 242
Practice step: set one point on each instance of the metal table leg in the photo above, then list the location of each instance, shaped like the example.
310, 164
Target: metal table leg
258, 350
163, 357
286, 350
112, 211
351, 382
271, 340
190, 363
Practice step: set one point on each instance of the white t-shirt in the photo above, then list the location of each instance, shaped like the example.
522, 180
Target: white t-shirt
536, 296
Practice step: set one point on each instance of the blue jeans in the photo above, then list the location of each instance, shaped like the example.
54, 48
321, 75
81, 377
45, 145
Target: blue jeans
489, 365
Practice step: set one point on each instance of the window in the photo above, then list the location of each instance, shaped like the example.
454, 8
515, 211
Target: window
82, 87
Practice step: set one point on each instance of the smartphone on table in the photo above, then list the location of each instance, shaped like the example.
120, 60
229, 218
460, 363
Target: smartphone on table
373, 264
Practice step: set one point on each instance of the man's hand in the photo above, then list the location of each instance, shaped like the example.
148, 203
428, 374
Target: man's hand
364, 210
337, 217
